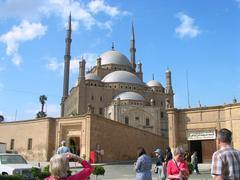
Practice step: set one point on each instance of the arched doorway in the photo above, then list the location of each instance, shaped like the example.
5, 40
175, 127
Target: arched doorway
74, 145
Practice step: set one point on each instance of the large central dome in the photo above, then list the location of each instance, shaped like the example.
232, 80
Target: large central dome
114, 57
122, 76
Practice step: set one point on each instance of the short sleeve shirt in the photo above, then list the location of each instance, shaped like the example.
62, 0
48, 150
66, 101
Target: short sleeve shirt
226, 163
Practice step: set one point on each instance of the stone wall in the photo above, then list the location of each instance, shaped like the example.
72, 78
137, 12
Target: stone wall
215, 117
120, 142
38, 130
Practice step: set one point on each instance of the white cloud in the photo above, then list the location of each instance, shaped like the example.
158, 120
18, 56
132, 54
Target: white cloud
26, 31
74, 65
82, 13
187, 27
54, 65
97, 6
90, 59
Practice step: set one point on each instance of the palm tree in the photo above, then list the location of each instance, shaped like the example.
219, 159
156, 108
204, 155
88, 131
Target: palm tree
42, 100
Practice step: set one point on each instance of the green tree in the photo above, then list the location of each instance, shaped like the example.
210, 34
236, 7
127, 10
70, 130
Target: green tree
42, 100
98, 170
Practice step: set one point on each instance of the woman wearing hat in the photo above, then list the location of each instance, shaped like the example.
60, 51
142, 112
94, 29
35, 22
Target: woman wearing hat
160, 164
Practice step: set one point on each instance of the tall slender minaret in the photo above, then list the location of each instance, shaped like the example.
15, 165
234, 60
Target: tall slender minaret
133, 49
67, 58
169, 90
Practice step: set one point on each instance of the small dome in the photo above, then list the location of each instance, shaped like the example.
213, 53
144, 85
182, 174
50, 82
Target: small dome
92, 76
114, 57
122, 76
154, 83
130, 96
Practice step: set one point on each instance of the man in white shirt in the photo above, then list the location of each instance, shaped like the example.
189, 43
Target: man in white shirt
63, 149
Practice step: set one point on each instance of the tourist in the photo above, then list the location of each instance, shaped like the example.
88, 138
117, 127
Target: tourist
59, 166
225, 161
63, 148
168, 155
143, 165
160, 164
194, 162
177, 168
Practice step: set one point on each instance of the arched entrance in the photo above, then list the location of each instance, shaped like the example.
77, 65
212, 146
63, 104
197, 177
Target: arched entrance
74, 145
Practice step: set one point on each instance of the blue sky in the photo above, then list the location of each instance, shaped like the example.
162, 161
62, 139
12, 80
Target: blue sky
201, 38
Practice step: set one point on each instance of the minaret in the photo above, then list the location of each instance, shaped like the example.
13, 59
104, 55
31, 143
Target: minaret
139, 71
133, 49
67, 58
81, 77
169, 90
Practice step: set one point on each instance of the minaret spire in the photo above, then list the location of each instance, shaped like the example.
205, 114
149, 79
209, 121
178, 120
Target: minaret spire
133, 49
113, 48
67, 58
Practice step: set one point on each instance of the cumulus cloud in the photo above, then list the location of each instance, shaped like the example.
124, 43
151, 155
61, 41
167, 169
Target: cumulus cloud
97, 6
187, 27
26, 31
82, 13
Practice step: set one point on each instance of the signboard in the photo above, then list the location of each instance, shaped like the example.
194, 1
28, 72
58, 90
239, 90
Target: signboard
201, 134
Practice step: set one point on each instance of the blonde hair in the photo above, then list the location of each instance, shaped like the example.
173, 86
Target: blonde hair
59, 165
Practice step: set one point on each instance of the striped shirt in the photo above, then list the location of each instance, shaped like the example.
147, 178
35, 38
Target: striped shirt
226, 163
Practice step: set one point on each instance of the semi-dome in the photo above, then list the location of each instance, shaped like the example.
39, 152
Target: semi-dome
154, 83
129, 96
122, 76
114, 57
91, 76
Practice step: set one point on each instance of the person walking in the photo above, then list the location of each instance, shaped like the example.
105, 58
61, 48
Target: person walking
63, 149
168, 155
194, 162
143, 165
177, 168
160, 164
225, 161
59, 167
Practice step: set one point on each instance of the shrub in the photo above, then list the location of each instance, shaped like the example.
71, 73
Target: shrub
11, 177
38, 174
98, 170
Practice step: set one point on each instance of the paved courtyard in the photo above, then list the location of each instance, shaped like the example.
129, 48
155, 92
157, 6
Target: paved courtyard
126, 172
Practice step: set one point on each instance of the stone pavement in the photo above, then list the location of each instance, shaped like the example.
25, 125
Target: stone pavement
125, 171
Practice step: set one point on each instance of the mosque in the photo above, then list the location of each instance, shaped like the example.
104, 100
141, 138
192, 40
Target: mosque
111, 111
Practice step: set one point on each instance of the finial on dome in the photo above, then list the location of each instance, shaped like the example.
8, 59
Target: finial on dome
152, 76
113, 46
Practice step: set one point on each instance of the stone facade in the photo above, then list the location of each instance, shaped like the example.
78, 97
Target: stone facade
195, 128
111, 141
113, 75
